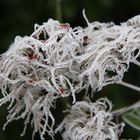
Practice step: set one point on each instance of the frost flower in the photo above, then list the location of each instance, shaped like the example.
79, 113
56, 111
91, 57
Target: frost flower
90, 121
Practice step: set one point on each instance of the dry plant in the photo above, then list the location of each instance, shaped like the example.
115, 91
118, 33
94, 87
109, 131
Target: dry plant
58, 61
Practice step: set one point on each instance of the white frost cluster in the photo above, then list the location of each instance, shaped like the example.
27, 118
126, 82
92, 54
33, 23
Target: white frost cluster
58, 60
90, 121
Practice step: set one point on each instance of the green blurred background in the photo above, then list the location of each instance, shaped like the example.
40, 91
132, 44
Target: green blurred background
17, 17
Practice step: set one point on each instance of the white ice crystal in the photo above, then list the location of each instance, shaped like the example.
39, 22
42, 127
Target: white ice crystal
58, 60
90, 121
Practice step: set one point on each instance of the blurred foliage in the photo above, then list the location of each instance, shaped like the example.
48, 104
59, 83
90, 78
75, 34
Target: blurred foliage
133, 118
17, 17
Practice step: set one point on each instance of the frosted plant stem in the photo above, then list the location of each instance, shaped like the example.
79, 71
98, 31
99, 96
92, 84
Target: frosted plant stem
127, 108
58, 10
129, 86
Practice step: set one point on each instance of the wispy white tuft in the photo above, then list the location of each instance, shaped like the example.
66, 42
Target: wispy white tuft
90, 121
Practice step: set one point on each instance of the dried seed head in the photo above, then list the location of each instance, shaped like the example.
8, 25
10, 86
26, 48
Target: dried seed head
61, 61
90, 121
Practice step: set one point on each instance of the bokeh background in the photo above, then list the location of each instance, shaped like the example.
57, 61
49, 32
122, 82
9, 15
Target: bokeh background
17, 17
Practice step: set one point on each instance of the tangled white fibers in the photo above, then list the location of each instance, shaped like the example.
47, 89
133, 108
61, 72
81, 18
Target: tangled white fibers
57, 61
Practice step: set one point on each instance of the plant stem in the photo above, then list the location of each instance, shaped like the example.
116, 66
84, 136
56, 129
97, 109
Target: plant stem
127, 108
129, 86
58, 10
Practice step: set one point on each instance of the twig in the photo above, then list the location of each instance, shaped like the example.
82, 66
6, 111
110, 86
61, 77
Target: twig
58, 10
129, 86
127, 108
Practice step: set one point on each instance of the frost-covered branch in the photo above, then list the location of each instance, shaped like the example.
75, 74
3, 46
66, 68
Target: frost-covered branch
129, 86
126, 109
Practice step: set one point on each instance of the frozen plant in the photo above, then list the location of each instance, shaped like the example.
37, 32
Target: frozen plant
57, 61
90, 121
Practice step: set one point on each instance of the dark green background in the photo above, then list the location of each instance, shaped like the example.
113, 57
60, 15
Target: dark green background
17, 17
